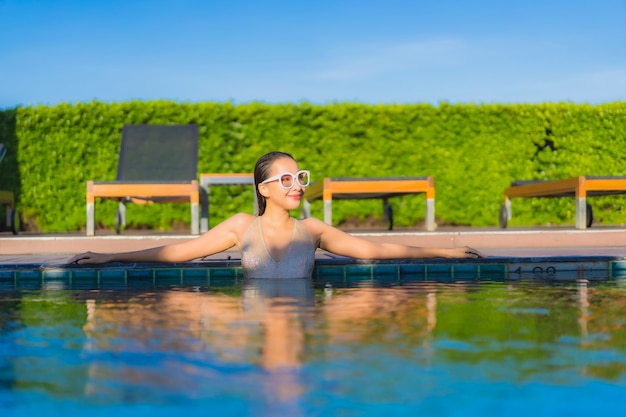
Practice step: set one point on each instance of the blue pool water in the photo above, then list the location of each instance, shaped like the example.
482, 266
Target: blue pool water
315, 348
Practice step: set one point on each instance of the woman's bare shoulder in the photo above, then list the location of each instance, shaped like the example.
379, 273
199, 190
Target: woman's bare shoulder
314, 226
311, 222
237, 223
242, 219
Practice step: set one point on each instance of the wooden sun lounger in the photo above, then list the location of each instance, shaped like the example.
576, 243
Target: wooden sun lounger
371, 188
578, 187
145, 193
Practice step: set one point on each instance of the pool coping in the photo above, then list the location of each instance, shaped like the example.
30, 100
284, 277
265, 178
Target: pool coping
335, 270
562, 254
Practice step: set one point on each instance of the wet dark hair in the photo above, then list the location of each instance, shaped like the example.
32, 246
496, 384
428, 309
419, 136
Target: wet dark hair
262, 172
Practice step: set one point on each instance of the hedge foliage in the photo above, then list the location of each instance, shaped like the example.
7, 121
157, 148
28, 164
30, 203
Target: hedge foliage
472, 151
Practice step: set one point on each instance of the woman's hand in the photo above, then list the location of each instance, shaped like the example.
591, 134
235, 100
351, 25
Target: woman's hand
465, 252
89, 258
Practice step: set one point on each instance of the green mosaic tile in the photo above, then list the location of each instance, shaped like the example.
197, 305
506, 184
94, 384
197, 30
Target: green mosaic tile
28, 275
140, 278
618, 269
438, 270
465, 271
169, 277
112, 278
195, 273
358, 270
112, 274
85, 274
163, 273
331, 271
140, 283
84, 278
84, 283
386, 271
409, 271
7, 275
28, 279
56, 275
140, 274
167, 282
493, 271
216, 273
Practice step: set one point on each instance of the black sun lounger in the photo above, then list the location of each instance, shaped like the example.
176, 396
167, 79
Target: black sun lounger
157, 164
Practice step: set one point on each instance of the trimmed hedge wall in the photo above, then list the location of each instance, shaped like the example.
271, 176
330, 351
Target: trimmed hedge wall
473, 152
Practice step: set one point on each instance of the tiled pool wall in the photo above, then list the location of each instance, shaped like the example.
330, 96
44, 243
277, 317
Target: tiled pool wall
334, 271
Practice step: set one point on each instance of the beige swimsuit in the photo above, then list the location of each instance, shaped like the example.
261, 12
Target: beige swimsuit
257, 262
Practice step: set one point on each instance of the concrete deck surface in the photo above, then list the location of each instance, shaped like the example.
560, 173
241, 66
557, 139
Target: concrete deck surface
535, 242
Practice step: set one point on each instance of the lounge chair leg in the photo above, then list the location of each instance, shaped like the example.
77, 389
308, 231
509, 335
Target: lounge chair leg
305, 211
581, 213
328, 212
505, 213
504, 219
388, 213
204, 209
120, 218
8, 213
430, 214
195, 225
509, 211
91, 230
12, 221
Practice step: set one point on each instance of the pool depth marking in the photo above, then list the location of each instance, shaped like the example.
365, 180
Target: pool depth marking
558, 271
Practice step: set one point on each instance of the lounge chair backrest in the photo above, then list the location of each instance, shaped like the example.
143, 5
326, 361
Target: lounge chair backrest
158, 153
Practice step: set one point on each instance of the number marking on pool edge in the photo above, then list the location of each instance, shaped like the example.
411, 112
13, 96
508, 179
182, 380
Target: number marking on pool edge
559, 271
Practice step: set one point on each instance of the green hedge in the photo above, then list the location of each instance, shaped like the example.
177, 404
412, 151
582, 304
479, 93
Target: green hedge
473, 152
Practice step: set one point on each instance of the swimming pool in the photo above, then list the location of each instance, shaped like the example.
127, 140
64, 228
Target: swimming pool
421, 338
337, 270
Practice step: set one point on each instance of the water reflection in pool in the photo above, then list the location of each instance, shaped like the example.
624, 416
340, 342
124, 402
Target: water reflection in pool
294, 347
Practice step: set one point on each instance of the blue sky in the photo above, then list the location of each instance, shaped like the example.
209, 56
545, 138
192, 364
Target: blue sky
319, 51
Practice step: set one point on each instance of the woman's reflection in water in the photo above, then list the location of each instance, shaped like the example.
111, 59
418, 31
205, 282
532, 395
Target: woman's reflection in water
281, 305
266, 326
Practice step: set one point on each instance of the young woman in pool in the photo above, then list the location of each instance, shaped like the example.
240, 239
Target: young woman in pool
274, 244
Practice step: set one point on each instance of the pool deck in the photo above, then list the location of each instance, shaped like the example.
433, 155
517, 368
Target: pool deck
41, 249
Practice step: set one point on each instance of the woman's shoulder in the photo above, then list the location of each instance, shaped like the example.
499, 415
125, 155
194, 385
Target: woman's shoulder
313, 226
310, 221
239, 223
243, 219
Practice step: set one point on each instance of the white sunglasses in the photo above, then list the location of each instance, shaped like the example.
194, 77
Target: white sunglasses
287, 180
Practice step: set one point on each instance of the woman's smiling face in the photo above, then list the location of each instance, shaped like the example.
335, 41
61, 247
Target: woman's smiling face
293, 195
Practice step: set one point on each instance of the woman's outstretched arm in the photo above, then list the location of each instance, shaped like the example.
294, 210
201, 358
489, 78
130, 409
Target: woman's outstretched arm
341, 243
220, 238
